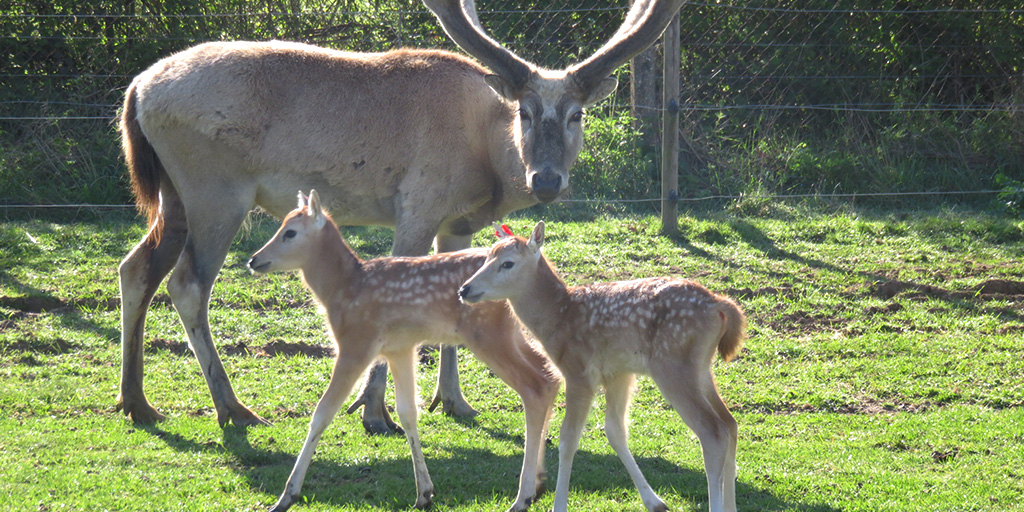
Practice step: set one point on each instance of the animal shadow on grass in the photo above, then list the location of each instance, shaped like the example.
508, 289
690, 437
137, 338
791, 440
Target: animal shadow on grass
461, 477
73, 314
604, 473
881, 285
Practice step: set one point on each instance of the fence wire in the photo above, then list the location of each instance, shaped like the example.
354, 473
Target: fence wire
772, 91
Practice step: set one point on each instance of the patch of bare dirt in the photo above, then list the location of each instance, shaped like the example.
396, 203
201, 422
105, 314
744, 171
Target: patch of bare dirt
746, 293
34, 304
992, 289
802, 321
866, 406
279, 348
32, 344
242, 349
175, 347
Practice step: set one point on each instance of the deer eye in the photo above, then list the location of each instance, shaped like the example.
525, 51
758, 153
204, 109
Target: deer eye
289, 234
576, 117
508, 264
524, 115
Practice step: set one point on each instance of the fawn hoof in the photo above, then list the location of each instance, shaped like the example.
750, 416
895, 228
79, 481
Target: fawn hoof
281, 505
520, 506
424, 500
659, 507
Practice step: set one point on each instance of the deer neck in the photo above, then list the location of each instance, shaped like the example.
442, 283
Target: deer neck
508, 163
332, 268
543, 305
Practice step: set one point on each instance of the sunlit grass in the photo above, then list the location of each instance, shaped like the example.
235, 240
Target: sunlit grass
848, 397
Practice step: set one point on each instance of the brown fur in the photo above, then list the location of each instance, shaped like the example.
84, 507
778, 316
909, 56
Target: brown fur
388, 306
604, 334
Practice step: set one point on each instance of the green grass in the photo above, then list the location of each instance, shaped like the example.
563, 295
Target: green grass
879, 375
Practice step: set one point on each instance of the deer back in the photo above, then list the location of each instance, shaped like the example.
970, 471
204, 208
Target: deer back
361, 128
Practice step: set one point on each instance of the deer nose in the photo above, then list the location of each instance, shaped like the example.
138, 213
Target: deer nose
464, 291
546, 186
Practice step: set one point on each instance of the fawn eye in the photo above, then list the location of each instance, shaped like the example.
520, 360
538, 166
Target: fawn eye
507, 265
289, 234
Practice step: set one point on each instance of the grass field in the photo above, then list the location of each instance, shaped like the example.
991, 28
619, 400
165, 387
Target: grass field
885, 371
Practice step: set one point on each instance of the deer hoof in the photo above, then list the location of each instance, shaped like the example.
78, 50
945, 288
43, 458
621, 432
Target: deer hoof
456, 407
142, 413
249, 419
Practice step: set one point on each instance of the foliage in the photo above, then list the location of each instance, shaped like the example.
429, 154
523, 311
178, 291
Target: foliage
778, 97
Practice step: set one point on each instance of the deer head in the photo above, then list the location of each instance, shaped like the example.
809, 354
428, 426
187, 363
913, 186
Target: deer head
293, 243
549, 128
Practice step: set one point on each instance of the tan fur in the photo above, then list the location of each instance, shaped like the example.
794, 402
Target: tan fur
605, 334
389, 306
426, 141
413, 139
549, 132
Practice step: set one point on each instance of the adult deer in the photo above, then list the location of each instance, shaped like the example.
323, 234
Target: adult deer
387, 306
605, 334
428, 142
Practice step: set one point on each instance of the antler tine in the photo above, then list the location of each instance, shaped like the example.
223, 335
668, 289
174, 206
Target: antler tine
460, 22
644, 23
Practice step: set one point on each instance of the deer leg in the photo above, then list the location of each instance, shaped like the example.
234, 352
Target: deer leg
376, 419
507, 353
348, 367
448, 393
691, 391
579, 393
403, 371
140, 274
190, 286
618, 392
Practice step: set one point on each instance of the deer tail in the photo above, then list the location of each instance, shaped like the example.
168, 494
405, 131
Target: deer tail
734, 328
144, 166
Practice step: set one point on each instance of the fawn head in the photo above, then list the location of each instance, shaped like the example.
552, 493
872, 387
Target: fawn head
509, 266
294, 242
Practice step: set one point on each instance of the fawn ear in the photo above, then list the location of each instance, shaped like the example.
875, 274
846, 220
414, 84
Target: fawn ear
303, 201
502, 231
315, 210
537, 237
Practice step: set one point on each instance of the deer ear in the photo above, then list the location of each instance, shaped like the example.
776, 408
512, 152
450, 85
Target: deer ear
604, 89
303, 201
502, 87
537, 237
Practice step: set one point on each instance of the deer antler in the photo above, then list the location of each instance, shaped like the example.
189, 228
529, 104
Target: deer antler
644, 24
459, 19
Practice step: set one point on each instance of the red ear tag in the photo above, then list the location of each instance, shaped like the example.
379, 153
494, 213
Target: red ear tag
507, 230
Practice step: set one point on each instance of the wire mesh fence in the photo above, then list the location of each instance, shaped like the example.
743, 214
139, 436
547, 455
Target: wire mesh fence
779, 97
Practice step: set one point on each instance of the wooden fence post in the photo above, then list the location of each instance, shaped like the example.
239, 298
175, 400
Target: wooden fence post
670, 131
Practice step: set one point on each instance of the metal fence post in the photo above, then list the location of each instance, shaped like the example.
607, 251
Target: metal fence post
670, 131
